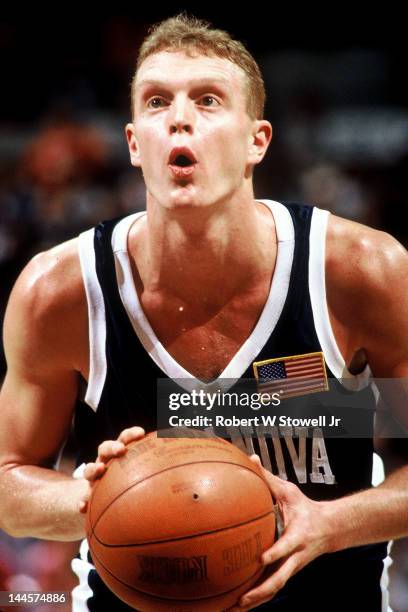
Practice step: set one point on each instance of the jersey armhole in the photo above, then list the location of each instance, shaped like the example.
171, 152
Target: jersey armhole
318, 298
96, 320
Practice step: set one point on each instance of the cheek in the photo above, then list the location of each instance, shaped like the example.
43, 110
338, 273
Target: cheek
230, 148
151, 149
231, 136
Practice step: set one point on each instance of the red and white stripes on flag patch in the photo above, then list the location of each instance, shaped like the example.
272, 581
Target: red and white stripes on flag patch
292, 376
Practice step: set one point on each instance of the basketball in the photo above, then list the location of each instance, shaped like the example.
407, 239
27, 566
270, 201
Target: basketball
180, 524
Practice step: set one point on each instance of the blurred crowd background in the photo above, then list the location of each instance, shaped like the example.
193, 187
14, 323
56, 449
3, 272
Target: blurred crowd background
338, 106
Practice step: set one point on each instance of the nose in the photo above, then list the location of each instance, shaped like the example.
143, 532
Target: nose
181, 117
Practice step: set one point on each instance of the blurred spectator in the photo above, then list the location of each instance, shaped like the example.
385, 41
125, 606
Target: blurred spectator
329, 187
63, 169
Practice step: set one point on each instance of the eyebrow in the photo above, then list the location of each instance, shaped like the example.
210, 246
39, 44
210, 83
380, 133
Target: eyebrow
194, 82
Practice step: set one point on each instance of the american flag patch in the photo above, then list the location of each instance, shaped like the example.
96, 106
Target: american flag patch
292, 376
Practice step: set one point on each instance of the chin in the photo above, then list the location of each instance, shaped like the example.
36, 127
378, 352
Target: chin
183, 197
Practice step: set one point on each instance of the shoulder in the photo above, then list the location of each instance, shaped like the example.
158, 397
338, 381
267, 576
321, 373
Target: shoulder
52, 279
47, 309
367, 291
356, 254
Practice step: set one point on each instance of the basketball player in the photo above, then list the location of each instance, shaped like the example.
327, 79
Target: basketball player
207, 282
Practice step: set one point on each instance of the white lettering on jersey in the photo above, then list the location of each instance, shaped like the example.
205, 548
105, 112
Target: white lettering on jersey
295, 441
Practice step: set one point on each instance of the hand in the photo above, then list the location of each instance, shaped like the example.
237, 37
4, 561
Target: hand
305, 536
106, 451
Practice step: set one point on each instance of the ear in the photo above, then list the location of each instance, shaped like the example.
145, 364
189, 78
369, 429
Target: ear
133, 145
261, 136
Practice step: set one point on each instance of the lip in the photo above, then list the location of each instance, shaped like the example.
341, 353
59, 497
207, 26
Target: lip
186, 151
182, 172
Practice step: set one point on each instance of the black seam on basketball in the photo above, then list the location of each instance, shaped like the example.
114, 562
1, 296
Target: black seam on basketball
185, 537
184, 601
173, 467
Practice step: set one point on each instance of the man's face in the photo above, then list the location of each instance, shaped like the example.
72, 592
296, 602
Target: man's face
191, 134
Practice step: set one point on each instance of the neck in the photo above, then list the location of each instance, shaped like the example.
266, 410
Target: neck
206, 253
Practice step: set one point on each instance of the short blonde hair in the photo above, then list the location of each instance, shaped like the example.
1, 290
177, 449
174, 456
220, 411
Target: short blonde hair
195, 35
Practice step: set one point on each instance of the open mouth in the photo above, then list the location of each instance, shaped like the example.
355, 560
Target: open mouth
182, 162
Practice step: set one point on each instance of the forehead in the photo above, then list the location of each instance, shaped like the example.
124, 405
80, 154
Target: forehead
176, 68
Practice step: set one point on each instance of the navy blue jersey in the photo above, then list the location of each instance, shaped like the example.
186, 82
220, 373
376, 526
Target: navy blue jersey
127, 359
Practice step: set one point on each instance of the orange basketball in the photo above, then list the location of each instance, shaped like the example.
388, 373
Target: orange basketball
180, 524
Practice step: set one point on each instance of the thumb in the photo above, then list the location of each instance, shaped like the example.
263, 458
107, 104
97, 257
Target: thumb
275, 484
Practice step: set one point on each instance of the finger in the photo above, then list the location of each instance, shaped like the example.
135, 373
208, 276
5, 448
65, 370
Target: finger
255, 605
256, 459
239, 608
93, 471
285, 546
109, 449
274, 583
275, 483
282, 489
131, 434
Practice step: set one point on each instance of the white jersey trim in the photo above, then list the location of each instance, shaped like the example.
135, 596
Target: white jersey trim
385, 580
318, 298
263, 329
81, 567
377, 478
259, 336
96, 319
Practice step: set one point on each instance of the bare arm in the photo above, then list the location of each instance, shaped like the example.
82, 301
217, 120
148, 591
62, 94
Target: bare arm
38, 397
367, 284
378, 317
46, 342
